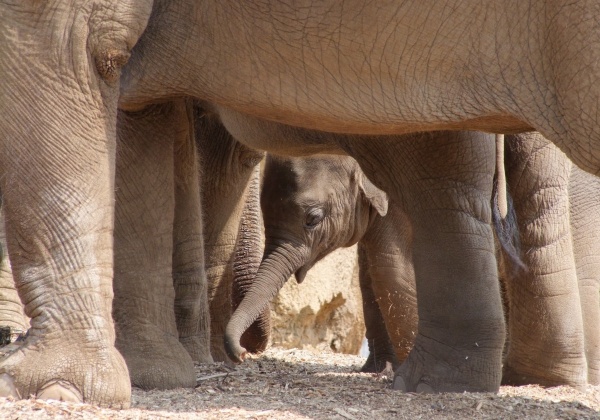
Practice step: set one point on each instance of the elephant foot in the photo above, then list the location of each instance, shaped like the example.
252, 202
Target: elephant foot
378, 362
197, 348
65, 370
155, 359
573, 374
593, 376
433, 367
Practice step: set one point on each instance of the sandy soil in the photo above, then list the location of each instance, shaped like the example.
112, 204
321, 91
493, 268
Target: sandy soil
302, 384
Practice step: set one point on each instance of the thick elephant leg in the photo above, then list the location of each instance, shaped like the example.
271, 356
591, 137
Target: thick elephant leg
189, 277
247, 260
232, 233
11, 308
59, 223
381, 350
144, 302
584, 190
444, 181
545, 320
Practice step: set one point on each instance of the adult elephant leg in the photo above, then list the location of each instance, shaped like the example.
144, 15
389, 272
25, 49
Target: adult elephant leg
11, 308
189, 278
545, 321
385, 259
232, 230
144, 302
247, 260
585, 208
444, 181
58, 205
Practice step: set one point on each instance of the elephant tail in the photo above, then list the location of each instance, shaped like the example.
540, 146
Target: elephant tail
504, 216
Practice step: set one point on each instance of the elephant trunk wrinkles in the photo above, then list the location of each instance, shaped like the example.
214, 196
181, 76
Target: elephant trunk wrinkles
247, 260
278, 264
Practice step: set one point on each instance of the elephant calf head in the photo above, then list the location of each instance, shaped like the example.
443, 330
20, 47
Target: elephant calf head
317, 204
311, 206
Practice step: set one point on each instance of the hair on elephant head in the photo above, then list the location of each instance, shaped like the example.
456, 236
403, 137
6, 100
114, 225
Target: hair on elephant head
318, 204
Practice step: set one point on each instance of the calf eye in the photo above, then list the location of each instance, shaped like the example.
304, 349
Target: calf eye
314, 217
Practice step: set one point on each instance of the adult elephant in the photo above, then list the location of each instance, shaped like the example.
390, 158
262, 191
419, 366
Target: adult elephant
312, 206
400, 67
344, 67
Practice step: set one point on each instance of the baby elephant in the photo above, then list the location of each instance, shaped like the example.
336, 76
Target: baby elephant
312, 206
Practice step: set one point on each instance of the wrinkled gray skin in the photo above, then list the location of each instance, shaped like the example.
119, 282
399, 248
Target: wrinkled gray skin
229, 178
60, 65
160, 284
379, 68
159, 240
383, 67
323, 203
553, 305
11, 309
160, 305
585, 207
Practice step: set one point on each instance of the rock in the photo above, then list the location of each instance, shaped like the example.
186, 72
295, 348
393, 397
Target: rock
325, 310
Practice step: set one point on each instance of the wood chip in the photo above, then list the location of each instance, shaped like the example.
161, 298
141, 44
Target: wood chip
344, 413
216, 375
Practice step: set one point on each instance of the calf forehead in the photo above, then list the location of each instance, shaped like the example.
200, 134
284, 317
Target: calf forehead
308, 174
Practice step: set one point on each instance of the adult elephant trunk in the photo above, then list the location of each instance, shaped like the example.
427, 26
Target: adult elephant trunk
280, 260
248, 255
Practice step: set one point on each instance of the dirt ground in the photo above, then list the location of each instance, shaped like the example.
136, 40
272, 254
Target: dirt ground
303, 384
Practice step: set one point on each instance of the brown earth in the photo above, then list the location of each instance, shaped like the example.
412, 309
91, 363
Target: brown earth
302, 384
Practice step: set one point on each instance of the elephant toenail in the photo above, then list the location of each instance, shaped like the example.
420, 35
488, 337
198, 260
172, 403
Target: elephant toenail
399, 384
7, 387
61, 391
423, 388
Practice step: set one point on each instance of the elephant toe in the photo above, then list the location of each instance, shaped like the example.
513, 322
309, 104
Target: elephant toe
399, 384
8, 387
60, 391
74, 372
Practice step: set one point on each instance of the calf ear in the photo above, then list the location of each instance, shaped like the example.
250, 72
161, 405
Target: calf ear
377, 198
